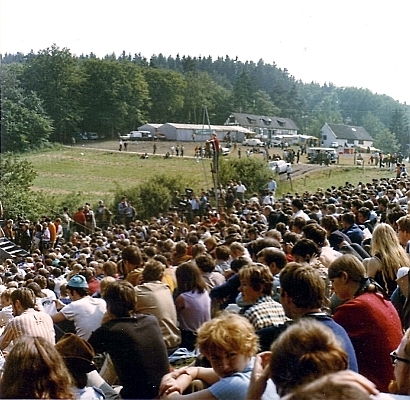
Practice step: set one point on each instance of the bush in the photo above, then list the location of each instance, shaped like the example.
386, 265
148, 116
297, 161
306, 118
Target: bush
253, 173
153, 197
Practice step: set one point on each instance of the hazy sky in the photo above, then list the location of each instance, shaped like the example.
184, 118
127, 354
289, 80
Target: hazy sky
359, 43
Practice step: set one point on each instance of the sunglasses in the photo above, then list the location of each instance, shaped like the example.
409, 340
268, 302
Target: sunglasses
394, 358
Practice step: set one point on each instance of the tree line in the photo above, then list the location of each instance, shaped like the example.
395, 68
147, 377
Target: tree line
52, 95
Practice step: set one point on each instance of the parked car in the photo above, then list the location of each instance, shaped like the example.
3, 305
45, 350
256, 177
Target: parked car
278, 166
92, 135
225, 151
334, 145
253, 142
140, 135
126, 136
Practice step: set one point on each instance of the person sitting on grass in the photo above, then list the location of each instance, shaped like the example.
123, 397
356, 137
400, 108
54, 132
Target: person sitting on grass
230, 344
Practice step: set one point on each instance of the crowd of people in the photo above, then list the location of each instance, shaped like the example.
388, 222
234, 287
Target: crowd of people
264, 297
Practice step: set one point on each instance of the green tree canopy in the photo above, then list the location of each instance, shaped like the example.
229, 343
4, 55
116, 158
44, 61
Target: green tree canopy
25, 125
114, 96
55, 76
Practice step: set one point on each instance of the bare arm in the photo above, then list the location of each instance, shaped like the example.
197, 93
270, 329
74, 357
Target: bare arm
176, 382
58, 317
372, 265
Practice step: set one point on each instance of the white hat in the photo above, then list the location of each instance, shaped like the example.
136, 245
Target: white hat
403, 271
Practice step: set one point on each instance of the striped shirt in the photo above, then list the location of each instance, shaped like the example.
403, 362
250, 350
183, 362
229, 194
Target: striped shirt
29, 323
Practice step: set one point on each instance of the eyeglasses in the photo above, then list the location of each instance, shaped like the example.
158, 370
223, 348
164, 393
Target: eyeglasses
394, 358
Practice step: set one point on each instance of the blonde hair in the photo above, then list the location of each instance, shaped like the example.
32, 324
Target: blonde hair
227, 332
385, 244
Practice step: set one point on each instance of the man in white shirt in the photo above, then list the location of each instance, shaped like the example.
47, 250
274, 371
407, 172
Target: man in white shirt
86, 311
240, 191
297, 208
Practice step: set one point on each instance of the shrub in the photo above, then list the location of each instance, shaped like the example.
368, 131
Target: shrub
254, 173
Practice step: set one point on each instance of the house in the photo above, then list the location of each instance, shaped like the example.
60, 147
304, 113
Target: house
345, 136
200, 133
264, 126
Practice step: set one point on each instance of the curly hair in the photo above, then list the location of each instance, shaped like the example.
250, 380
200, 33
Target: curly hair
227, 332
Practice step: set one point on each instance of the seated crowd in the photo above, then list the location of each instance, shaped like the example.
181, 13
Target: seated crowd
302, 297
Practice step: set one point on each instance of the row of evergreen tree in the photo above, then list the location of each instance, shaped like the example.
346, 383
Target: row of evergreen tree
54, 94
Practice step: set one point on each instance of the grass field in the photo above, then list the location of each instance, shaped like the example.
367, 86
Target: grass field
97, 173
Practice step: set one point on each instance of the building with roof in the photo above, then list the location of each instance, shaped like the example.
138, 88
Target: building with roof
200, 133
345, 136
264, 126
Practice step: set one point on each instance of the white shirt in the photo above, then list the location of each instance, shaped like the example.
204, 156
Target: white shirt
87, 314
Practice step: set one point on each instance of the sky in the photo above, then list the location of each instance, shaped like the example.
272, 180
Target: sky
362, 43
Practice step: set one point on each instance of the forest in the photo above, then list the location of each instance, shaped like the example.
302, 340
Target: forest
53, 95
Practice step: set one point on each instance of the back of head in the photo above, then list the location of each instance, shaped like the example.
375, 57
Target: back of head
305, 247
153, 271
34, 369
329, 222
336, 386
205, 263
189, 278
316, 233
132, 254
25, 296
120, 298
304, 352
304, 285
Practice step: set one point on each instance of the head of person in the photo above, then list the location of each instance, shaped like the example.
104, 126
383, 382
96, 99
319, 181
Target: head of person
272, 257
210, 243
304, 250
121, 299
304, 352
383, 236
77, 286
302, 289
35, 370
348, 219
131, 259
256, 280
6, 297
347, 275
153, 271
297, 204
197, 250
403, 227
330, 223
336, 386
22, 299
205, 263
316, 233
228, 341
223, 253
189, 278
401, 362
104, 283
110, 268
78, 357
